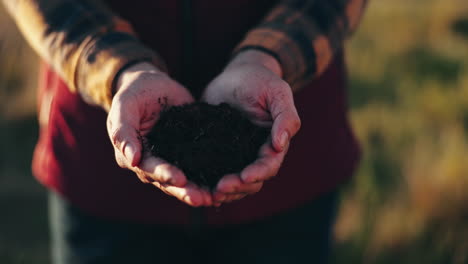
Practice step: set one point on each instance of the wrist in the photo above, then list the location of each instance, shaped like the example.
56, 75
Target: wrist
133, 69
254, 56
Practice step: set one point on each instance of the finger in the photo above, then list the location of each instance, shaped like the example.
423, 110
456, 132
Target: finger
123, 130
219, 198
126, 140
120, 159
232, 183
123, 163
183, 99
227, 198
208, 198
286, 121
190, 194
159, 170
235, 197
142, 176
266, 166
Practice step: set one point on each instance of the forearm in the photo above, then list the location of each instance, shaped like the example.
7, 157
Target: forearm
84, 41
304, 36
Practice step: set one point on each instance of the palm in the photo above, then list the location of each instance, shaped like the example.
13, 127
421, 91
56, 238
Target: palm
142, 95
267, 100
237, 90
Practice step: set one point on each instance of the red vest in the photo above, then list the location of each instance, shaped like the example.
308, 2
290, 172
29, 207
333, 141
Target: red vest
75, 158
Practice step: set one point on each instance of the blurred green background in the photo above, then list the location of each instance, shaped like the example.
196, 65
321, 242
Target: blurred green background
408, 203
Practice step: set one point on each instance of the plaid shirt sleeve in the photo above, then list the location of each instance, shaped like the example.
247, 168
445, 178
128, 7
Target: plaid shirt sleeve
84, 42
303, 35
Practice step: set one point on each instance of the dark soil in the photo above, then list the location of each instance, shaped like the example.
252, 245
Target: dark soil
206, 141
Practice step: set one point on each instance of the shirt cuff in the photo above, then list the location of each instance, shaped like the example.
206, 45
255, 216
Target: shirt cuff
103, 58
278, 44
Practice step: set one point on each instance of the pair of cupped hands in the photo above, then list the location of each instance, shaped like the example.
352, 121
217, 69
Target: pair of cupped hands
251, 82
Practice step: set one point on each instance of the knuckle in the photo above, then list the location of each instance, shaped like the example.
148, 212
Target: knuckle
171, 169
283, 84
109, 123
116, 137
161, 187
277, 95
281, 88
120, 160
192, 202
235, 197
297, 123
196, 203
270, 175
119, 100
278, 167
164, 190
257, 188
163, 172
142, 175
143, 178
273, 171
240, 196
228, 199
238, 93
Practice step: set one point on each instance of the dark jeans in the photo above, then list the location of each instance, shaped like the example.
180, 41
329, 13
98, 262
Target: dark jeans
302, 235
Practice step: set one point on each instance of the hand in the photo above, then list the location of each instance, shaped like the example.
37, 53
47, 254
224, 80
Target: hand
142, 92
252, 83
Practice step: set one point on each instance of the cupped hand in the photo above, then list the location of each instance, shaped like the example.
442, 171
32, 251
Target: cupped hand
142, 92
252, 83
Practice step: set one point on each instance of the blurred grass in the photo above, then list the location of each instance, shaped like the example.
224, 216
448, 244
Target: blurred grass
23, 221
409, 107
409, 98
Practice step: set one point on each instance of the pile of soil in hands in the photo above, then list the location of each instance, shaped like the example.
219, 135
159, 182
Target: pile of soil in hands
205, 141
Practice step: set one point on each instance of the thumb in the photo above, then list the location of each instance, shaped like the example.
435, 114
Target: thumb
125, 136
132, 152
286, 121
126, 140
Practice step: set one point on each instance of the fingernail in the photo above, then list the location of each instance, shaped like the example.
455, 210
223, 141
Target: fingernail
129, 152
284, 139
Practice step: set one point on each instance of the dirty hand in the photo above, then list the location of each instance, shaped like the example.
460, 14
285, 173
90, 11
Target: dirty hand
252, 83
142, 92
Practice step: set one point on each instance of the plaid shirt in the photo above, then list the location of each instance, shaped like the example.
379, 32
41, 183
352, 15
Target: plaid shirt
88, 44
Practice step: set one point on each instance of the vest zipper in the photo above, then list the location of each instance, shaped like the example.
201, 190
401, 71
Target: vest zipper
187, 45
196, 214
